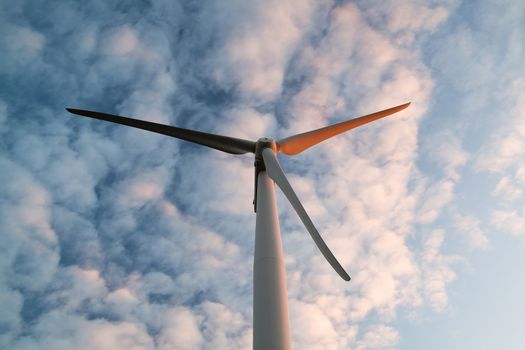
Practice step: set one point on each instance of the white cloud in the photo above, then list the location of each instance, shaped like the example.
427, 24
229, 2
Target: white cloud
223, 328
449, 154
259, 45
26, 42
379, 337
143, 188
436, 270
180, 331
414, 16
125, 42
247, 123
510, 221
122, 41
121, 301
436, 197
312, 328
30, 250
86, 285
507, 189
61, 331
506, 147
471, 228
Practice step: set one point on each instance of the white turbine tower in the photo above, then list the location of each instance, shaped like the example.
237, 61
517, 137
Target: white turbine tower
271, 329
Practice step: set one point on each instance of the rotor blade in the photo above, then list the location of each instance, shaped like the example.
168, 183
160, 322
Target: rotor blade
219, 142
276, 174
297, 143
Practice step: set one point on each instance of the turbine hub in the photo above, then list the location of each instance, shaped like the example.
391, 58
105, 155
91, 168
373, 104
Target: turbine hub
262, 143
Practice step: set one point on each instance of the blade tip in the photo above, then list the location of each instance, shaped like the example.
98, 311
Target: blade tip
400, 107
72, 110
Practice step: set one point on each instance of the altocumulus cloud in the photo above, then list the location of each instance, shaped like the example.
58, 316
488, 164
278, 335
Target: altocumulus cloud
113, 238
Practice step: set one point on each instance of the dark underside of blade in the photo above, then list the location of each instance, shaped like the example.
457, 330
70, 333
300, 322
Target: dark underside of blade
222, 143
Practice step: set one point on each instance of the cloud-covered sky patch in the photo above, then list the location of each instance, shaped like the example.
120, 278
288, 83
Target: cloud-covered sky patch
116, 238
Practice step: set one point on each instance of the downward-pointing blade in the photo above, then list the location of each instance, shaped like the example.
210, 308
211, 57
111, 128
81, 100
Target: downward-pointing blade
219, 142
275, 172
297, 143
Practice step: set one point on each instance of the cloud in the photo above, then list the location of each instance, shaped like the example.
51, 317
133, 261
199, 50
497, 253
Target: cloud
121, 42
224, 328
471, 228
248, 123
24, 42
501, 157
312, 326
436, 197
379, 337
11, 302
181, 330
509, 149
507, 189
30, 249
449, 154
437, 270
3, 114
59, 331
510, 221
260, 44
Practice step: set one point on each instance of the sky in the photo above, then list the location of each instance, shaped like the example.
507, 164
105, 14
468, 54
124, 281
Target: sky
115, 238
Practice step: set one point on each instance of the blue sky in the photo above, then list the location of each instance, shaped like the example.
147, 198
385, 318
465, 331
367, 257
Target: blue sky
114, 238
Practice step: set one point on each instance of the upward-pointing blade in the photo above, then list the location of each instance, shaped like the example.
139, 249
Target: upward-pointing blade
275, 172
300, 142
219, 142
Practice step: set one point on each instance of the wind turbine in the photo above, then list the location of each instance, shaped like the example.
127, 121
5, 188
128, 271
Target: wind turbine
271, 329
